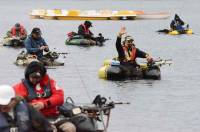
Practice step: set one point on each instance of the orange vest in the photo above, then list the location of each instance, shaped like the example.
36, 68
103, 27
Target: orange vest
22, 31
130, 55
86, 30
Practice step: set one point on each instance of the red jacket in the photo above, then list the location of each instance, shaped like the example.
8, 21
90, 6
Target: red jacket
51, 103
22, 31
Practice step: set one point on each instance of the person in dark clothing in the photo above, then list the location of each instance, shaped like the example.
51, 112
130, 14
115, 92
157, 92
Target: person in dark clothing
177, 24
127, 52
35, 44
17, 116
84, 30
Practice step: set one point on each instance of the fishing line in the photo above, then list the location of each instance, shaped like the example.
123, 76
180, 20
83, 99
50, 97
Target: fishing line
82, 81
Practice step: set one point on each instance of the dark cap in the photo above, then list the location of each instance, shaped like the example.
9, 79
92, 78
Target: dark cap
36, 30
88, 23
17, 25
176, 17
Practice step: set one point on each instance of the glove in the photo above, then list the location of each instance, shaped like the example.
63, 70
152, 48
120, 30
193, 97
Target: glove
149, 59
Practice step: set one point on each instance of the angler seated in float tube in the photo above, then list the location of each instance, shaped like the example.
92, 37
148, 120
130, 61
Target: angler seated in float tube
35, 45
16, 36
85, 36
125, 66
178, 24
84, 30
127, 53
42, 93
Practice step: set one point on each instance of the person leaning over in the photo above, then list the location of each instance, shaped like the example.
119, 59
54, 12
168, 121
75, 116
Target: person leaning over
35, 44
42, 93
18, 116
17, 31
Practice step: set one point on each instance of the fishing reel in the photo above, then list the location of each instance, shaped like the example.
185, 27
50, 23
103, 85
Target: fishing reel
100, 38
159, 62
52, 55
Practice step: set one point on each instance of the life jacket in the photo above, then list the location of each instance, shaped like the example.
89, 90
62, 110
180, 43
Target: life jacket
22, 31
40, 91
130, 55
21, 122
71, 34
86, 30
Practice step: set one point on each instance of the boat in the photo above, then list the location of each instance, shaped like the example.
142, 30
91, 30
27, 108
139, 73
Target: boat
175, 32
12, 42
160, 15
62, 14
51, 59
114, 70
75, 39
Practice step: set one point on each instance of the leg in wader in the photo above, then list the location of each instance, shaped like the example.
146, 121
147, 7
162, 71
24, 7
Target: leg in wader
132, 70
44, 60
48, 59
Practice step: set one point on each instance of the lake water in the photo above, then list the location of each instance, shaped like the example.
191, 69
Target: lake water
167, 105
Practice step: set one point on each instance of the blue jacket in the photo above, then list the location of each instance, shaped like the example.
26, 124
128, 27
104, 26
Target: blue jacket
32, 46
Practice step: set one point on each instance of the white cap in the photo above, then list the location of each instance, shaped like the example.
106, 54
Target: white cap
6, 94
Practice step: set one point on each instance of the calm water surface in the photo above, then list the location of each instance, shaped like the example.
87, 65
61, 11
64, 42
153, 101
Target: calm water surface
168, 105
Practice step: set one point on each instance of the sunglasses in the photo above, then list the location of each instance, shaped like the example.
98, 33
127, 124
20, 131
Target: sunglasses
36, 77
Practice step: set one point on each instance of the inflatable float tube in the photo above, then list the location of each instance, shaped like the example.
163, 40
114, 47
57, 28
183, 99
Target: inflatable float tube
13, 42
80, 40
113, 70
23, 59
175, 32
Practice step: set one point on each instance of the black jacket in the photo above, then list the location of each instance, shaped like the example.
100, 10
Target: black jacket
176, 23
121, 53
25, 118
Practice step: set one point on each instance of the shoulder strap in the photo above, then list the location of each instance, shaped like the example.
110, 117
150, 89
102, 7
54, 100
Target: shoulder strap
47, 89
31, 93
